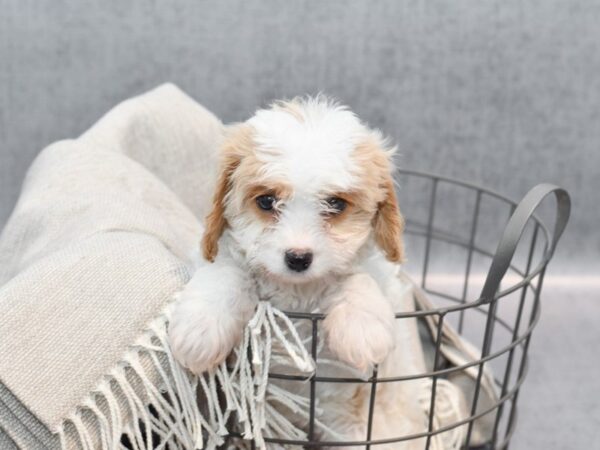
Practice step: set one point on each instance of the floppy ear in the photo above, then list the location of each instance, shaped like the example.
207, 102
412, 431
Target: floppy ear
388, 223
215, 223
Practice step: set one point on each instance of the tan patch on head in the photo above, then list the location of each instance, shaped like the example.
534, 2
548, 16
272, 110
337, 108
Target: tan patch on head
353, 223
377, 194
351, 200
292, 107
279, 190
238, 144
239, 184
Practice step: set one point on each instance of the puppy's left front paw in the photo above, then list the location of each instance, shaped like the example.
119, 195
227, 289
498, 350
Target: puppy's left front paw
360, 327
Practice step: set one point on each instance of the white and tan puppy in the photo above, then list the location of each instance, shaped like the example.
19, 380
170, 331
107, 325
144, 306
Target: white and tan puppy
304, 215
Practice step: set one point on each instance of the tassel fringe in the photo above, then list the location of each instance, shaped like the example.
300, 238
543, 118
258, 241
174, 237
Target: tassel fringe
153, 401
149, 401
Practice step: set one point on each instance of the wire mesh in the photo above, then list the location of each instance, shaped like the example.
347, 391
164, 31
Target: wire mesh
489, 293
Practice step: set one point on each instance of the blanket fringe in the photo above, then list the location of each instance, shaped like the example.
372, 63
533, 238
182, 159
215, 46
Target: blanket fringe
153, 401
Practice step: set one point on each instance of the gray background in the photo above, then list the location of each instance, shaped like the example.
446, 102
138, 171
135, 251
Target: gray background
505, 93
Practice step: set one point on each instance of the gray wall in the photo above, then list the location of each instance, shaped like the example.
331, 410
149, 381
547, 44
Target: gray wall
501, 92
498, 92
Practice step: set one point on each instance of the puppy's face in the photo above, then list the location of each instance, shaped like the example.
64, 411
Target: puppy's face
303, 185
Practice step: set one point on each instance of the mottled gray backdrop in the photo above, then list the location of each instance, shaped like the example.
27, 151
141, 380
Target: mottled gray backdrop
506, 93
500, 92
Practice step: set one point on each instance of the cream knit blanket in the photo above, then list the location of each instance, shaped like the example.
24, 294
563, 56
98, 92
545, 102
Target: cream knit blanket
96, 247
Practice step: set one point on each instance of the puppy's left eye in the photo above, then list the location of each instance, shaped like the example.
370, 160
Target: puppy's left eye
335, 205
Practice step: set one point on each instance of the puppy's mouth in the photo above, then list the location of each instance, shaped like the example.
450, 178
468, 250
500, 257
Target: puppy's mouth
287, 276
292, 277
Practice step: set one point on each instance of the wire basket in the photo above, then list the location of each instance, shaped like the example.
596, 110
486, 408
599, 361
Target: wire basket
490, 296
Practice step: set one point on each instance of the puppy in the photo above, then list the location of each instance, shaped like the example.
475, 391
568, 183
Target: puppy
304, 215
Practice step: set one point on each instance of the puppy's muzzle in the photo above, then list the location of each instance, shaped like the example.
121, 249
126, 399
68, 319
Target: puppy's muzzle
298, 260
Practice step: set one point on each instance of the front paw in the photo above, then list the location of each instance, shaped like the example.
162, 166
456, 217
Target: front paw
359, 328
199, 341
209, 317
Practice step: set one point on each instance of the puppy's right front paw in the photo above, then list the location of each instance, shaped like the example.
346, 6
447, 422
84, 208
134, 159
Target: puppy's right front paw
201, 344
199, 341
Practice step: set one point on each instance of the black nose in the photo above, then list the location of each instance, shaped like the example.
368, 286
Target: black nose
298, 261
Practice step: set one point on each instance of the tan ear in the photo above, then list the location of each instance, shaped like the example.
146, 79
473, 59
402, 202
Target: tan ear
232, 150
388, 224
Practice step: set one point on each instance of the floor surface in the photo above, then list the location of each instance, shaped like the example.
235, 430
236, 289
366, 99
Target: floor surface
559, 408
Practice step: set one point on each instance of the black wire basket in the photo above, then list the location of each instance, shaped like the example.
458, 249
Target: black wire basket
490, 296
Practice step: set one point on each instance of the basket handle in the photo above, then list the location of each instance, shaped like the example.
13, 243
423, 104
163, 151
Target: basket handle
515, 227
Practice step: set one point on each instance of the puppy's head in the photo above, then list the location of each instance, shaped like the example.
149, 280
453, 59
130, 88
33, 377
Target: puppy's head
302, 186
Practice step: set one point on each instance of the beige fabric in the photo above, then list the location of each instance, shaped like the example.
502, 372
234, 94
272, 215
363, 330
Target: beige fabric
97, 245
458, 352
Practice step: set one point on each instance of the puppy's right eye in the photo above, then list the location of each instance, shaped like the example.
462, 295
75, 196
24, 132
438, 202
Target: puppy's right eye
265, 202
